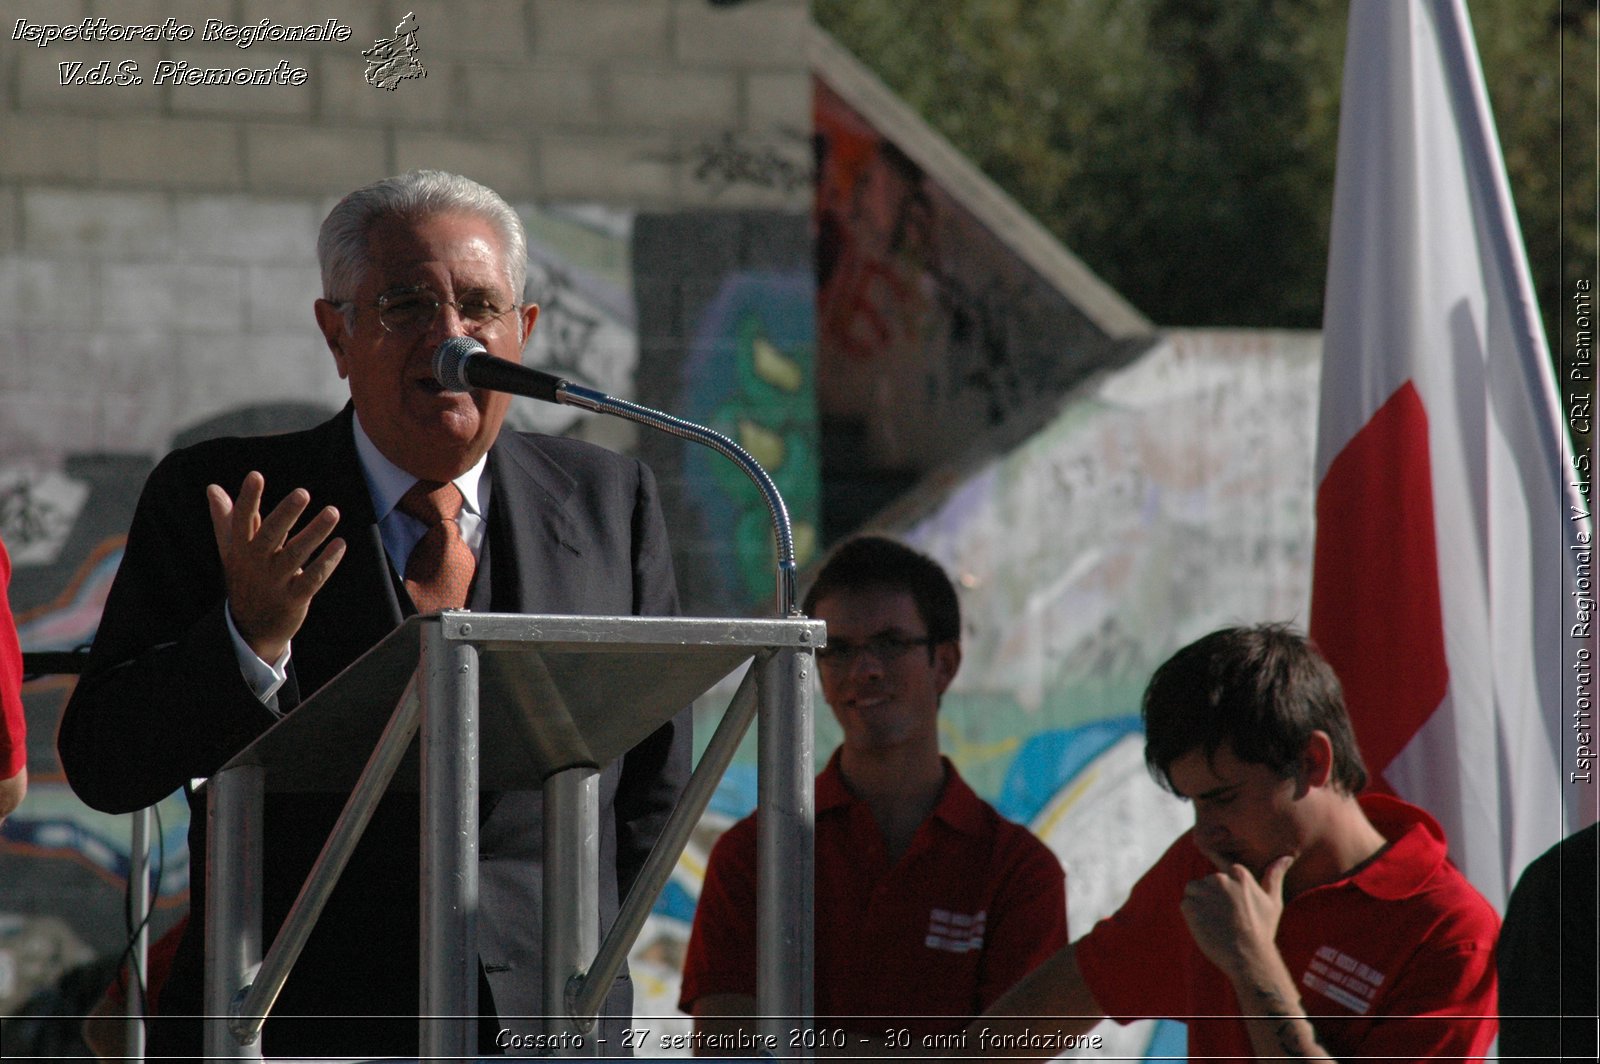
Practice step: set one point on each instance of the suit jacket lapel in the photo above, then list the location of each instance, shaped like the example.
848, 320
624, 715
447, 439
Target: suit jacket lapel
358, 605
532, 537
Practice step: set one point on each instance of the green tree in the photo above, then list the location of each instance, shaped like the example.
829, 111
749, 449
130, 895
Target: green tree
1185, 149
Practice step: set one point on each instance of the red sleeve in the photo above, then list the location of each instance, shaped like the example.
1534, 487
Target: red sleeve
1137, 960
1027, 919
13, 725
721, 957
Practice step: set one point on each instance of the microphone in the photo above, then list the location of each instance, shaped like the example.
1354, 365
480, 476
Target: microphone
462, 363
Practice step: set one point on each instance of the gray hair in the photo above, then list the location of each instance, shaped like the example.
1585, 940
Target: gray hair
342, 242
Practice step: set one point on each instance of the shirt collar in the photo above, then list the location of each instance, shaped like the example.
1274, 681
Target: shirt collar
386, 482
1415, 852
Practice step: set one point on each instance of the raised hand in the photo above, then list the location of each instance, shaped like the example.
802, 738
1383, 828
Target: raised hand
1234, 918
271, 575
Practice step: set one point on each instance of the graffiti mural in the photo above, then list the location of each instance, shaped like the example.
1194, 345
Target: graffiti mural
932, 330
1171, 499
727, 339
750, 368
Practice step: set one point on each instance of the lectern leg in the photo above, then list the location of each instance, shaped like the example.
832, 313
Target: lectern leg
233, 902
448, 1004
571, 902
784, 851
138, 958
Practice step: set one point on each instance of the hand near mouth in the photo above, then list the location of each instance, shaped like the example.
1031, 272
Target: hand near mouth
1233, 916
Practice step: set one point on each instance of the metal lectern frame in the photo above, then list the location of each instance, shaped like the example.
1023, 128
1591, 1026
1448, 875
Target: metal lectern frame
455, 653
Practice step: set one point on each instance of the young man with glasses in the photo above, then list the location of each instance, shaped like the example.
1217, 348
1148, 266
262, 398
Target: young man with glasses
929, 904
256, 569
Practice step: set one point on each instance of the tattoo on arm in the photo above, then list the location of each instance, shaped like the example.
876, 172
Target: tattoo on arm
1274, 1007
1285, 1034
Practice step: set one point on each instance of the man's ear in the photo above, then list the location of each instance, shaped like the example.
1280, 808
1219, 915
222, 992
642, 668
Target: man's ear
331, 320
1316, 763
526, 317
946, 663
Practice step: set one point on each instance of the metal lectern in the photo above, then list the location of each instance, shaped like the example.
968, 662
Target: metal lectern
505, 701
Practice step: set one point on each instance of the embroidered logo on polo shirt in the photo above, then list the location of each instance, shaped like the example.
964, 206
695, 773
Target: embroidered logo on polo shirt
1340, 977
955, 932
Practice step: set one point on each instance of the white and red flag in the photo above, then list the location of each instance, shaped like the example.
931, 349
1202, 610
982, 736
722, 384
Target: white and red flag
1452, 544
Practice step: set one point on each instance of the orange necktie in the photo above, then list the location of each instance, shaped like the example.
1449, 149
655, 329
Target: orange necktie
440, 568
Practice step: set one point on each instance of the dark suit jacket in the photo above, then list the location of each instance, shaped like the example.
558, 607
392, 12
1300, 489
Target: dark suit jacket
572, 529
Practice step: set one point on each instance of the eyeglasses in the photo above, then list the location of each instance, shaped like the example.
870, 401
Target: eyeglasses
887, 649
413, 310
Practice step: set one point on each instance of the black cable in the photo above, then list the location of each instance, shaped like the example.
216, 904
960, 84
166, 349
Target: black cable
40, 663
124, 962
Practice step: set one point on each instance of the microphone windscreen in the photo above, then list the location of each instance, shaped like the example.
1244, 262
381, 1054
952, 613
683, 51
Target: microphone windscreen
449, 362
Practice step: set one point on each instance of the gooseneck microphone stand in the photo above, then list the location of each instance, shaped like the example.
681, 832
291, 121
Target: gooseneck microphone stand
462, 363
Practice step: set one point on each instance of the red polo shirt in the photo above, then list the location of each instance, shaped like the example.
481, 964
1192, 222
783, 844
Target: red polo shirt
1395, 962
932, 940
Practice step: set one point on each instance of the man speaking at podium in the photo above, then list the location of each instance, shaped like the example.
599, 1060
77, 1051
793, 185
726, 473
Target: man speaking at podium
258, 568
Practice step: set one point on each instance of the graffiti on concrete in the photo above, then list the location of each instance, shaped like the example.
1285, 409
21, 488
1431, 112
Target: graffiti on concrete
580, 277
749, 374
567, 328
730, 159
931, 328
37, 510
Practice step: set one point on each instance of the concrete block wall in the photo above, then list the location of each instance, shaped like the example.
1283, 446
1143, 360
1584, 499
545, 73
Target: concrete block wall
178, 221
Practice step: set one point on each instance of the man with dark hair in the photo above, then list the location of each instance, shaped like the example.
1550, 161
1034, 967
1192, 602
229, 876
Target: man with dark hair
258, 568
1296, 918
874, 563
929, 904
1262, 692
